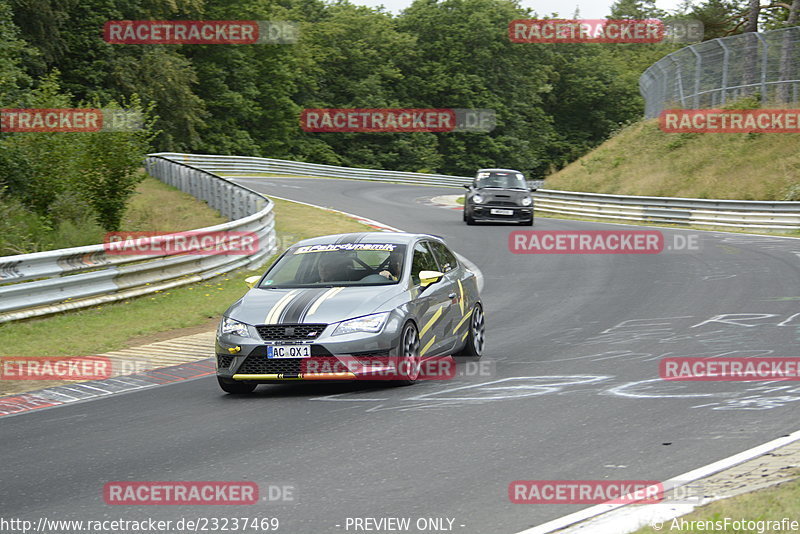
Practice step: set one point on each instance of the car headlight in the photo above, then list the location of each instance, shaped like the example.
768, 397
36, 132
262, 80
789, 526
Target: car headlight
230, 326
369, 323
526, 201
477, 199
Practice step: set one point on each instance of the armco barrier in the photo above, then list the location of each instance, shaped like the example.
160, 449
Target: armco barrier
683, 211
58, 280
243, 165
723, 213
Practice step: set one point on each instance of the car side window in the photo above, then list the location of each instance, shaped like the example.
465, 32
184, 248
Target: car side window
447, 260
423, 261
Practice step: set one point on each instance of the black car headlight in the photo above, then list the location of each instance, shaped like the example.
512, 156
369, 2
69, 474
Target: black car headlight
526, 201
477, 199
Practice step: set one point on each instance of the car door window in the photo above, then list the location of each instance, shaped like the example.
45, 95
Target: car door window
447, 260
423, 261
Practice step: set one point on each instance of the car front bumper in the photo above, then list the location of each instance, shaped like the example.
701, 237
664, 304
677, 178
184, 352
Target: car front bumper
490, 213
245, 359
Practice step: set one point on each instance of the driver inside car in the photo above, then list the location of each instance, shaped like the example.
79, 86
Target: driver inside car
394, 266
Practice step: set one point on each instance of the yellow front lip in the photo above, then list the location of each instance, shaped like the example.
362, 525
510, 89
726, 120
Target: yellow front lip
301, 376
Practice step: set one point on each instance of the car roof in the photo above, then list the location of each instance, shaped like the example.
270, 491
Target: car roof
399, 238
497, 170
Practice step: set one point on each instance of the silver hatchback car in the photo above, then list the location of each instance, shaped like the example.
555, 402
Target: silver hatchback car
396, 298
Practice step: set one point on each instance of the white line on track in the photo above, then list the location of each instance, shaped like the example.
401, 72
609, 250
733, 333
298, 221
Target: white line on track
625, 518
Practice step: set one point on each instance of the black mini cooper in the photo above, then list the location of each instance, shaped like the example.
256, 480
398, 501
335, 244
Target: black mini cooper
499, 195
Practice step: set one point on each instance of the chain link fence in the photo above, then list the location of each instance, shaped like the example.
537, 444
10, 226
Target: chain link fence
721, 71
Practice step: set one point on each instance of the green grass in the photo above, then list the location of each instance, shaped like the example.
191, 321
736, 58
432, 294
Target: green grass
137, 321
643, 160
771, 504
158, 207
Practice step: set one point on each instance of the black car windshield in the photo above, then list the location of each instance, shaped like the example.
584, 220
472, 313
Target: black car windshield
337, 264
505, 180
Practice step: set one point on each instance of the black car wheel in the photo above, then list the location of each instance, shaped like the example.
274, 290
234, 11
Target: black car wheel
236, 388
476, 336
408, 358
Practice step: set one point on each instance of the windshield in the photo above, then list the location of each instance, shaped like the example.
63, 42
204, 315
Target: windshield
506, 180
337, 264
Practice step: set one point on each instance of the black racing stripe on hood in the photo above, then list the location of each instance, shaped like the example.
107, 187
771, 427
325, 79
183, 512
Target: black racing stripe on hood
297, 308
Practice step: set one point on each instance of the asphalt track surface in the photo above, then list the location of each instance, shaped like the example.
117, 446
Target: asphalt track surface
575, 394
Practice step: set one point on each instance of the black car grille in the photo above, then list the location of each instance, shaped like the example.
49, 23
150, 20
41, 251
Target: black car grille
290, 332
261, 365
372, 354
500, 203
224, 361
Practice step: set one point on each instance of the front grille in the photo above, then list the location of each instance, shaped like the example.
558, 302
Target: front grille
224, 361
290, 332
493, 203
261, 365
372, 354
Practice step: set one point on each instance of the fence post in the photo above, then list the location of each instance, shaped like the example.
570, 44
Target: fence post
764, 61
698, 72
726, 53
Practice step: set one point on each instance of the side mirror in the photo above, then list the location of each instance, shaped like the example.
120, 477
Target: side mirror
531, 189
427, 278
467, 186
251, 281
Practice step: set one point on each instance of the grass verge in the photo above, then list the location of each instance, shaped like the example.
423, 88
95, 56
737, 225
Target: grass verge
643, 160
769, 504
158, 207
163, 315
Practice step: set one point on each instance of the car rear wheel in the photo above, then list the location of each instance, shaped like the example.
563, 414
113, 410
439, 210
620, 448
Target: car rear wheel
476, 336
408, 358
236, 388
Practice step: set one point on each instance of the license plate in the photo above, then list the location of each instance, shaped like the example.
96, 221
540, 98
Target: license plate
502, 212
288, 351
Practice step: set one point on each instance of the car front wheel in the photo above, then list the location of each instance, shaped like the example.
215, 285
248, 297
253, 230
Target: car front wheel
409, 360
